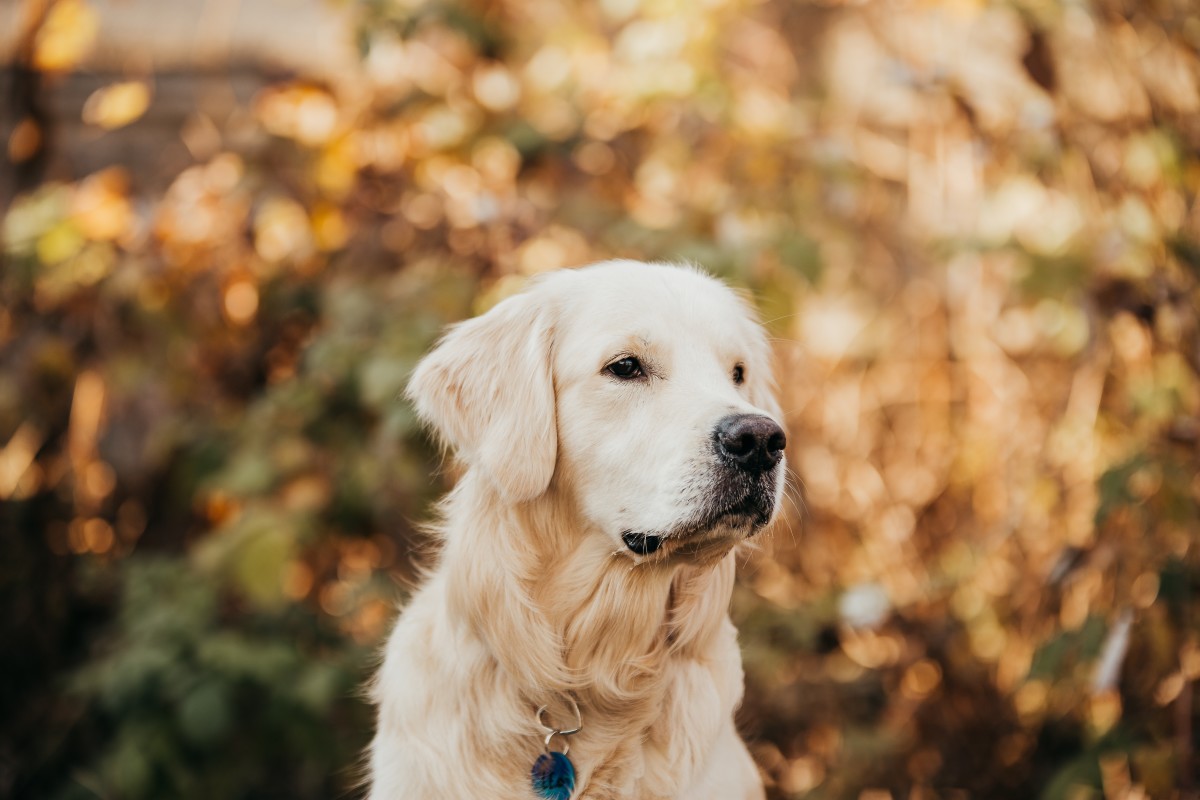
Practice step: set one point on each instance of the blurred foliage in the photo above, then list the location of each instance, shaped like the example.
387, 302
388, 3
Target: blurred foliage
971, 226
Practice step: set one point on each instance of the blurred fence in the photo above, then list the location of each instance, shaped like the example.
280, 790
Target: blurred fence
970, 226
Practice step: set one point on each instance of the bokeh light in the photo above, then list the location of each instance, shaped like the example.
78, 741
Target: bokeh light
971, 228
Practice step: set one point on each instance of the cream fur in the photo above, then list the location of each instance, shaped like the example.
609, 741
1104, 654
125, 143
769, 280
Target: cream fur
535, 597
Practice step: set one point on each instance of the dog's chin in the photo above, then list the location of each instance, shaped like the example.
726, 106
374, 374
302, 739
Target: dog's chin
703, 540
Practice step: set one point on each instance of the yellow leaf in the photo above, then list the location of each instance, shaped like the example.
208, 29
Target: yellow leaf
337, 168
59, 243
66, 36
117, 105
100, 207
307, 114
329, 227
281, 231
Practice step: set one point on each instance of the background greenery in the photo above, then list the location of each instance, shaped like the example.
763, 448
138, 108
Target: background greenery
970, 225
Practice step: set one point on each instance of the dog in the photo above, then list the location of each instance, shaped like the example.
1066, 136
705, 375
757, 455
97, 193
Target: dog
620, 439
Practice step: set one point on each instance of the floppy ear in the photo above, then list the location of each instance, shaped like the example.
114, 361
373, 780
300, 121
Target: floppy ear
487, 389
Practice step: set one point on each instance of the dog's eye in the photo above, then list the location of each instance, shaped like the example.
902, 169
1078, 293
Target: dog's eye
626, 368
739, 374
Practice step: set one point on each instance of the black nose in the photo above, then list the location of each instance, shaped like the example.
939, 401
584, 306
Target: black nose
751, 441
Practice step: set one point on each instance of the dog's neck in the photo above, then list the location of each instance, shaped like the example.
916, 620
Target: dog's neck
584, 619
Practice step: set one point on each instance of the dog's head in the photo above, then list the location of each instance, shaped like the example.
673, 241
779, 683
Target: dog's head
641, 391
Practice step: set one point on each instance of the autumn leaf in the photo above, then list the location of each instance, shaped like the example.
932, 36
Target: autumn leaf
66, 36
117, 105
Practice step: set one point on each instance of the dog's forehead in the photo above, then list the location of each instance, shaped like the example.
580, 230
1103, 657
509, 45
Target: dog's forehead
651, 305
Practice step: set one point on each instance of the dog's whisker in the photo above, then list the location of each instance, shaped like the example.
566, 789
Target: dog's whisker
796, 486
780, 318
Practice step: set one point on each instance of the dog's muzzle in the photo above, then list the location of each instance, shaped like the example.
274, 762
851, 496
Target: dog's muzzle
748, 448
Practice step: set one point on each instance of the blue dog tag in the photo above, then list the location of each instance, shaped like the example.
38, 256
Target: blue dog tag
553, 776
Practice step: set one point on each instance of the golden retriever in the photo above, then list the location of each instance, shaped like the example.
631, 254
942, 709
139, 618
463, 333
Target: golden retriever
620, 439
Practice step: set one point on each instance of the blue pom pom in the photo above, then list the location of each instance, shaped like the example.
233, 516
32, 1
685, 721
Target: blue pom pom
553, 776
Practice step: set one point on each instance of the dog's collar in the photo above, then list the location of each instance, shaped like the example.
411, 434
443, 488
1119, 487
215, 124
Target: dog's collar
553, 774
